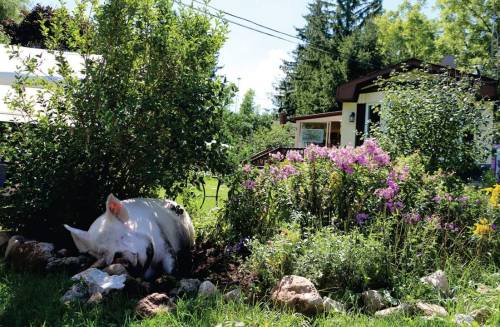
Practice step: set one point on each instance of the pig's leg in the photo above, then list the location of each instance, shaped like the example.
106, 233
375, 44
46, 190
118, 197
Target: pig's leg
168, 263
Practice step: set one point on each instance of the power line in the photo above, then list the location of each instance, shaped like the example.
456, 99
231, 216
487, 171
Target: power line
248, 27
247, 20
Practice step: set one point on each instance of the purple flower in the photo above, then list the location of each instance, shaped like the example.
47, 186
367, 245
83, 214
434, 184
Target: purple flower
394, 206
412, 218
312, 152
451, 227
294, 156
385, 193
247, 168
361, 218
462, 199
277, 156
494, 226
343, 158
249, 184
437, 199
287, 171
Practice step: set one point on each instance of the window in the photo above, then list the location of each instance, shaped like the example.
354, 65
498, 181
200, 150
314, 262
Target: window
313, 133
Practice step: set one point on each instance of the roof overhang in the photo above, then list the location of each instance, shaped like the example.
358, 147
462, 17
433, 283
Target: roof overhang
349, 92
335, 115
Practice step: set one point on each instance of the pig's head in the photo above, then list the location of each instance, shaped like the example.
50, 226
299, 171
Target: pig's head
110, 234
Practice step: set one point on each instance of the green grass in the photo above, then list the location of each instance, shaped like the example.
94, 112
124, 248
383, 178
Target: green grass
33, 300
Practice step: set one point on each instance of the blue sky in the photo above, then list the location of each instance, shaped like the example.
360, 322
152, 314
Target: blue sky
252, 60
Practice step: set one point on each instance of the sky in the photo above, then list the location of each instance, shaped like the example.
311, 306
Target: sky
250, 59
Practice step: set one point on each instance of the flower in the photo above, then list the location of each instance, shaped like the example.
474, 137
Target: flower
495, 194
361, 218
294, 156
313, 152
278, 156
412, 218
247, 168
451, 227
462, 199
483, 228
249, 184
394, 206
287, 171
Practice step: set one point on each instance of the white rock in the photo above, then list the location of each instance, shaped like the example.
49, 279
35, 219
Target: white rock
402, 308
297, 293
431, 309
461, 319
189, 286
207, 289
373, 300
77, 292
231, 324
438, 280
233, 295
330, 305
99, 281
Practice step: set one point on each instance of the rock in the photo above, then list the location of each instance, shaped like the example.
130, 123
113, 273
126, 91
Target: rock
373, 300
461, 319
153, 304
402, 308
231, 324
4, 239
189, 286
116, 269
77, 292
207, 289
62, 253
297, 293
28, 255
69, 264
174, 292
438, 280
99, 281
233, 295
430, 309
95, 298
481, 315
330, 305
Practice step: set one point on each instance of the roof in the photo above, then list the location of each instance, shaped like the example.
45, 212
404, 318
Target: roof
313, 116
350, 91
9, 67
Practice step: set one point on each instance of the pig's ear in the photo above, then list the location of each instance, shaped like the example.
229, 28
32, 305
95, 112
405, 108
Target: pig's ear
116, 208
81, 239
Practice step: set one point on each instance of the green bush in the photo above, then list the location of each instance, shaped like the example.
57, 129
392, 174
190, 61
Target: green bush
147, 113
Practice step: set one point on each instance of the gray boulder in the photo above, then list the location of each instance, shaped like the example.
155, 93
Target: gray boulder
207, 289
154, 304
438, 280
189, 287
299, 294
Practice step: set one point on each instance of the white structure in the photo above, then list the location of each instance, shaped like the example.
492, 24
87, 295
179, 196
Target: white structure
9, 67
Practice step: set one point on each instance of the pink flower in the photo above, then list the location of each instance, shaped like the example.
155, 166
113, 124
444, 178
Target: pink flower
312, 152
287, 171
277, 156
249, 184
247, 168
294, 156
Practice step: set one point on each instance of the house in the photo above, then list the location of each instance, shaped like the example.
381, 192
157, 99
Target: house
358, 99
9, 67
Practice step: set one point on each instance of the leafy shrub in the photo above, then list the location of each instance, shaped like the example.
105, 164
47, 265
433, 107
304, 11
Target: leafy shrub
337, 262
147, 113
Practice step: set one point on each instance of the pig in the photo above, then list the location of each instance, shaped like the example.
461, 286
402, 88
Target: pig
149, 233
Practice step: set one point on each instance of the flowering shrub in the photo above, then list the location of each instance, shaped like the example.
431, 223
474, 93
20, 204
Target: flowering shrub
360, 189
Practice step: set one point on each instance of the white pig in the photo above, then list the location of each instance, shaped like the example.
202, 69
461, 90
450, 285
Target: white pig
148, 232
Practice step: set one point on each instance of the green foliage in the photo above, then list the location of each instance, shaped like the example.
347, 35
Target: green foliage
11, 9
417, 104
4, 37
408, 33
147, 113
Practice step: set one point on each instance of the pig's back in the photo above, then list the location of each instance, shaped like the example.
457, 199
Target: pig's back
149, 214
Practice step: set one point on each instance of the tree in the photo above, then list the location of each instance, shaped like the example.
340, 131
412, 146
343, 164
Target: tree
320, 65
408, 33
147, 113
438, 116
248, 106
470, 33
11, 9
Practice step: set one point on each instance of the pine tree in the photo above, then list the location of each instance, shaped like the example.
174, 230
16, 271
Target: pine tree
324, 60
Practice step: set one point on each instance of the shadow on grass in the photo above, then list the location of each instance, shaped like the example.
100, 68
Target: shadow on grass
33, 300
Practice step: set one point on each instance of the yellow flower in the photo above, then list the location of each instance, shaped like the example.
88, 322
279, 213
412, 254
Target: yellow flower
483, 228
495, 194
